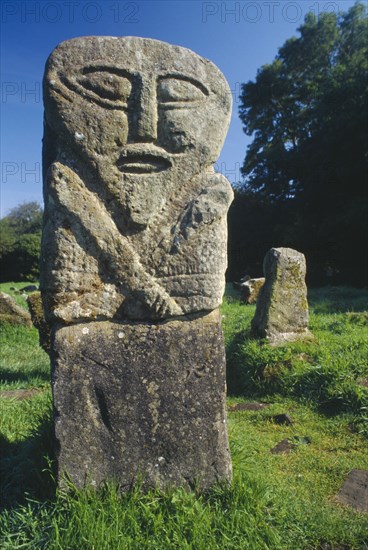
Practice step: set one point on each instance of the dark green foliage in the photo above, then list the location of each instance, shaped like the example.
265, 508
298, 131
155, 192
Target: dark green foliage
305, 170
25, 218
26, 256
7, 237
20, 243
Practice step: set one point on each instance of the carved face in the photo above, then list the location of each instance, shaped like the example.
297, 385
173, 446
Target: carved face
141, 113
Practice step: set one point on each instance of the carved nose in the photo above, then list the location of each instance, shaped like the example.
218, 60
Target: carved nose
147, 114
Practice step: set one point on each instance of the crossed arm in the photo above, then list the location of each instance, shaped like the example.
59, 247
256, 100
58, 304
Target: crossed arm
93, 223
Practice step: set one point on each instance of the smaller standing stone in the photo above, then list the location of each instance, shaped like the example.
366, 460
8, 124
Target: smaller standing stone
282, 307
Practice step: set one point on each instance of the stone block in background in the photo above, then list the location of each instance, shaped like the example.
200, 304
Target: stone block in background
249, 289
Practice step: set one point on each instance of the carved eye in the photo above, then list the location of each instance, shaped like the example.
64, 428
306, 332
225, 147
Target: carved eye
107, 85
174, 92
103, 85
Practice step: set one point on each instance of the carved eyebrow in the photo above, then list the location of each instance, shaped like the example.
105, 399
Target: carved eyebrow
74, 84
131, 74
106, 69
191, 80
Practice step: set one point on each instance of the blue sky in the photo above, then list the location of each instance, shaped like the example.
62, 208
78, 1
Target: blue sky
239, 37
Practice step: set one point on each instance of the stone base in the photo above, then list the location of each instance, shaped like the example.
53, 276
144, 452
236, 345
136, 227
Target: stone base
141, 401
275, 339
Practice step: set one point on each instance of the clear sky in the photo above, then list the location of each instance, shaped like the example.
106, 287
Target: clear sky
239, 37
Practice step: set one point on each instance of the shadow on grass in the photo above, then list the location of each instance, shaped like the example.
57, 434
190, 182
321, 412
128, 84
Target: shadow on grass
11, 375
27, 468
338, 300
240, 377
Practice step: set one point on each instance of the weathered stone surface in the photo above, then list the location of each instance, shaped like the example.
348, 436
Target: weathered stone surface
11, 312
134, 245
282, 307
34, 302
135, 223
354, 491
144, 399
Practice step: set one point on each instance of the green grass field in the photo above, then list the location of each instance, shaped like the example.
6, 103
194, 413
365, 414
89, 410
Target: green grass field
276, 501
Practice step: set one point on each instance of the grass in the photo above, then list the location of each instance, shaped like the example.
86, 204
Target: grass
275, 502
330, 373
23, 364
14, 289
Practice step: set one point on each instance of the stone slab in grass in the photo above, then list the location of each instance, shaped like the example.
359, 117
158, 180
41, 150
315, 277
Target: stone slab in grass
283, 447
283, 419
354, 491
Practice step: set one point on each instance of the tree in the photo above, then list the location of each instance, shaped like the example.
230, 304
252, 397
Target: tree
25, 218
7, 237
27, 256
20, 241
307, 163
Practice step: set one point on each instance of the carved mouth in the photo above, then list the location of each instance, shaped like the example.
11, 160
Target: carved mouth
136, 163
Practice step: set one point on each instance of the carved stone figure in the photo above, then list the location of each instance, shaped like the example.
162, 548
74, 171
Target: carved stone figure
135, 231
135, 223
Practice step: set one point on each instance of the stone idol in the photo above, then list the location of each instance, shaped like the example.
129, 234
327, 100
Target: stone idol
133, 261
